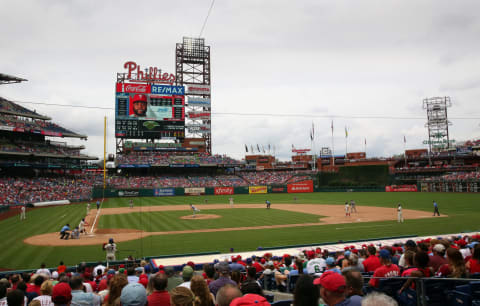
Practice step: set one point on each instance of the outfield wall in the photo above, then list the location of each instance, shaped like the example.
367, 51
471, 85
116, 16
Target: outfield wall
298, 187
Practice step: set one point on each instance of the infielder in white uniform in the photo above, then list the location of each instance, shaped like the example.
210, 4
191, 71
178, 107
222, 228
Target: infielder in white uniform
347, 209
231, 202
399, 213
22, 213
81, 227
88, 208
353, 206
131, 204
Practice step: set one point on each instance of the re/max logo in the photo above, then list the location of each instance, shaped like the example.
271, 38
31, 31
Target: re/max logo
168, 90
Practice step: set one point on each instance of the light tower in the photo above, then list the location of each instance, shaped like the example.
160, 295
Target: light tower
192, 62
437, 123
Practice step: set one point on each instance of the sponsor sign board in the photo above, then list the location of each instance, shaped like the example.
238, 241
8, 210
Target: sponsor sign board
168, 90
6, 128
198, 89
223, 190
164, 192
128, 193
257, 189
199, 115
194, 190
305, 186
401, 188
277, 189
198, 101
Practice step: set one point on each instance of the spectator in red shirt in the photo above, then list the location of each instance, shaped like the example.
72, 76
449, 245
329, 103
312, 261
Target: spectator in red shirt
160, 295
473, 264
438, 259
61, 268
257, 265
372, 262
387, 268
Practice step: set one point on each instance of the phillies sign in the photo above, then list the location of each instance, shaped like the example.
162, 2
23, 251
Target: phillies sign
150, 74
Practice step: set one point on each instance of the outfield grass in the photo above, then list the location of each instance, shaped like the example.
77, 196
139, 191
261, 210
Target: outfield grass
462, 209
166, 221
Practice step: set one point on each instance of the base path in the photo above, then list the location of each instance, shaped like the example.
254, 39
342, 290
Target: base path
331, 214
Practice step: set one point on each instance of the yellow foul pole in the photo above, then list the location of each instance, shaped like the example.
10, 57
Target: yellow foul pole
104, 151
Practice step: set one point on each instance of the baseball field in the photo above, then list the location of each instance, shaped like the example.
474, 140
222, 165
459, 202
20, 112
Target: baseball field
165, 225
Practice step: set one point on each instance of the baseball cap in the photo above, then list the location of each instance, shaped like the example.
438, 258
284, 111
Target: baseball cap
473, 244
54, 274
250, 299
223, 267
139, 98
330, 261
331, 281
301, 256
133, 294
347, 253
439, 247
385, 254
61, 293
410, 243
187, 272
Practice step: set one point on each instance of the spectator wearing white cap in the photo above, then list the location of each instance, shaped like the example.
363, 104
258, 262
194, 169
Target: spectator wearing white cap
438, 259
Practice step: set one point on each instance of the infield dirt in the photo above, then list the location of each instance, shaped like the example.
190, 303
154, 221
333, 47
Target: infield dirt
331, 214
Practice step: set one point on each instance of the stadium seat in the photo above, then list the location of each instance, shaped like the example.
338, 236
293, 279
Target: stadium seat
390, 286
282, 303
270, 297
436, 290
291, 282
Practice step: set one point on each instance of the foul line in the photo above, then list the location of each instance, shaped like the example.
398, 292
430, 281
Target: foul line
96, 216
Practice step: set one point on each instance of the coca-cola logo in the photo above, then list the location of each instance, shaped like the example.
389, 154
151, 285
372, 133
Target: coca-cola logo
136, 88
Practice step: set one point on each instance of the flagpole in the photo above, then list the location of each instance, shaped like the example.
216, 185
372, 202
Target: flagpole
333, 149
346, 142
405, 149
365, 147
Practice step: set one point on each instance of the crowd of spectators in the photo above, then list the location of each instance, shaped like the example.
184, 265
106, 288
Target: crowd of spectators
349, 277
9, 106
154, 158
455, 176
32, 124
20, 190
267, 178
31, 147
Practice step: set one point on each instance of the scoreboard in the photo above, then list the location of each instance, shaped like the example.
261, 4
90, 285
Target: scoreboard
145, 111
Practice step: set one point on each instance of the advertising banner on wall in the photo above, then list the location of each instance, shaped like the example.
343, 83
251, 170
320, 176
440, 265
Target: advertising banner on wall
277, 189
198, 101
198, 89
305, 186
401, 188
223, 190
194, 191
257, 189
164, 192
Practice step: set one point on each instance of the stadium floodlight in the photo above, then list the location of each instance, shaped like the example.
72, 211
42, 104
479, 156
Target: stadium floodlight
437, 122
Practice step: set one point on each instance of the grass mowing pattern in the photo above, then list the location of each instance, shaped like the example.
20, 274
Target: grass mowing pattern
170, 220
463, 211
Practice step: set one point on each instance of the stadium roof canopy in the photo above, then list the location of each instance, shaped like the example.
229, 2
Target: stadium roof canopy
11, 108
9, 79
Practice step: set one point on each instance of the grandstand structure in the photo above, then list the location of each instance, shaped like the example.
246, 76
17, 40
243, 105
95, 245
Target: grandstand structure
33, 150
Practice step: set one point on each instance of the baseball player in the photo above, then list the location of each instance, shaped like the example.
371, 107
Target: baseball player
268, 204
399, 213
88, 208
435, 209
194, 210
352, 206
231, 202
98, 204
111, 249
22, 213
347, 209
81, 227
131, 204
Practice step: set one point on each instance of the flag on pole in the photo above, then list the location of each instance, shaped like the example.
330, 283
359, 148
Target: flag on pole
346, 132
251, 148
365, 140
312, 132
332, 128
404, 139
263, 149
246, 148
258, 148
268, 147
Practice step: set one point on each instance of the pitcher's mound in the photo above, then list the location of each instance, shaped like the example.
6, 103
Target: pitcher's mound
200, 217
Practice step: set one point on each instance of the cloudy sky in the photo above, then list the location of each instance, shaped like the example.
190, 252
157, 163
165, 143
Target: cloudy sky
277, 66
